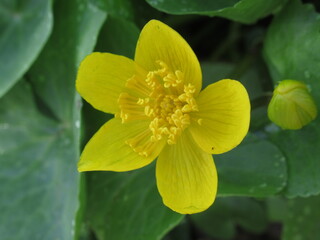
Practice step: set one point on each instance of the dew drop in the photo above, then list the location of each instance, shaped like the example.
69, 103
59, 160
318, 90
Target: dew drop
272, 128
77, 124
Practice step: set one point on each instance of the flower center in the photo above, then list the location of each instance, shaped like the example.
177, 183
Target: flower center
164, 99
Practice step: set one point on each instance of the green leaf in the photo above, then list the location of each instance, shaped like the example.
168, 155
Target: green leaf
277, 208
39, 180
127, 206
291, 50
245, 11
117, 8
303, 221
189, 6
118, 36
183, 231
39, 154
213, 72
301, 149
132, 11
254, 168
221, 219
24, 28
77, 24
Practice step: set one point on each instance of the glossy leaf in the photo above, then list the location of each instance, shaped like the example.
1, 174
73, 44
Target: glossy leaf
277, 208
24, 28
127, 206
118, 36
303, 219
245, 11
39, 180
222, 218
291, 48
254, 168
40, 154
132, 11
77, 24
116, 8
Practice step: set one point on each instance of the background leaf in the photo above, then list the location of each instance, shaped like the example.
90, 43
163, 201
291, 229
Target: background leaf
39, 181
303, 221
245, 11
221, 219
131, 11
118, 36
24, 28
255, 168
127, 206
291, 47
41, 140
74, 36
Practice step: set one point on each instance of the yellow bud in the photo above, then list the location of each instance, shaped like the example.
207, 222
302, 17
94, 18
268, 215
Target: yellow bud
292, 105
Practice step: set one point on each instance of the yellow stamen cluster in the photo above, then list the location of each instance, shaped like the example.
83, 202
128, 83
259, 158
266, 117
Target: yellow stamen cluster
164, 99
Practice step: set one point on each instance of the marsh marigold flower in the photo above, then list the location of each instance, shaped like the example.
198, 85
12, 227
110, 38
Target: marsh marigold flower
159, 112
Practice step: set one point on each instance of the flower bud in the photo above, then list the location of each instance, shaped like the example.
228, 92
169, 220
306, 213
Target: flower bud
292, 105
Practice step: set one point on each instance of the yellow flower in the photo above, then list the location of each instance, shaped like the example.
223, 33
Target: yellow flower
160, 112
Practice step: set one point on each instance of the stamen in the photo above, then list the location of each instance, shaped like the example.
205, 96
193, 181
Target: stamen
166, 102
129, 109
138, 85
142, 145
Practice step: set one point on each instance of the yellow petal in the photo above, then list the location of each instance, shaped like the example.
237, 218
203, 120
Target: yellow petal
102, 77
224, 113
292, 105
158, 41
107, 150
186, 176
